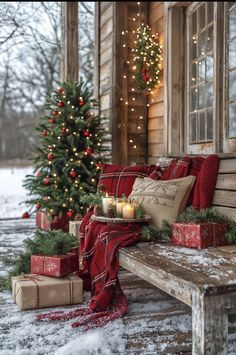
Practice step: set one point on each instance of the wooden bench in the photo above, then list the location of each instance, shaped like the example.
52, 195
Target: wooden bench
203, 279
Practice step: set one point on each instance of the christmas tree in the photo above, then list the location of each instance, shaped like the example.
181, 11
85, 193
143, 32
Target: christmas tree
69, 153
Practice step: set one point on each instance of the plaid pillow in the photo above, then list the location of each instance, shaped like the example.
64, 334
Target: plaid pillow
119, 180
178, 168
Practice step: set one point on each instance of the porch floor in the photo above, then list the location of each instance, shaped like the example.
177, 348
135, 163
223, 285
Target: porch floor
155, 324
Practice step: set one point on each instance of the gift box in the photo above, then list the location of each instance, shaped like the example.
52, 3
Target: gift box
35, 291
74, 229
200, 235
56, 265
43, 222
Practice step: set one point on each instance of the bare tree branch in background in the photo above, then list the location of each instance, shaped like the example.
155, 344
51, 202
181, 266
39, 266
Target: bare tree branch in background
30, 50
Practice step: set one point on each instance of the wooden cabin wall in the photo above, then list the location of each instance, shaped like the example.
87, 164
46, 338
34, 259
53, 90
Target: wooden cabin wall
155, 125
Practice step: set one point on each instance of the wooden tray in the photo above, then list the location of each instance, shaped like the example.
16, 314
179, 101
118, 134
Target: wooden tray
120, 220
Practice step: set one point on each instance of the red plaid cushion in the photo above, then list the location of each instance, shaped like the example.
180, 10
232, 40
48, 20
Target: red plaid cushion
177, 169
119, 180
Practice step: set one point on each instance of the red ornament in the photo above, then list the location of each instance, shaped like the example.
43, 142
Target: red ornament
51, 120
38, 206
81, 102
72, 173
63, 130
26, 215
61, 91
70, 214
46, 181
86, 133
50, 156
44, 133
60, 104
54, 113
89, 150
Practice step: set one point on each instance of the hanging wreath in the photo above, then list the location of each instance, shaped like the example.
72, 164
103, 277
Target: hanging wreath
147, 59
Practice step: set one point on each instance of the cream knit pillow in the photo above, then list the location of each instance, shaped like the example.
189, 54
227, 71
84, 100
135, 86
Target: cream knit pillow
162, 199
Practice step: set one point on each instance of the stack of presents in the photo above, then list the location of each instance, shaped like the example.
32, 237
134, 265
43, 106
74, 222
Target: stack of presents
52, 281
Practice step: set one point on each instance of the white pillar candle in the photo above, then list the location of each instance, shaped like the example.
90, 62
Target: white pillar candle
106, 201
119, 208
128, 211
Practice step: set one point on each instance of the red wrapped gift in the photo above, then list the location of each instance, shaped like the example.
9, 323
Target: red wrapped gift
56, 265
200, 235
44, 223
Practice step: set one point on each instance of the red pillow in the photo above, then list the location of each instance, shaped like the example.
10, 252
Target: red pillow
195, 168
178, 168
118, 180
206, 181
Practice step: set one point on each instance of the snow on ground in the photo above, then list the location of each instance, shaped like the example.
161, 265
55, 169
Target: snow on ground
12, 193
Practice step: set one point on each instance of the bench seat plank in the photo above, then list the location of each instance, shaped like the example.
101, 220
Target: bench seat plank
182, 271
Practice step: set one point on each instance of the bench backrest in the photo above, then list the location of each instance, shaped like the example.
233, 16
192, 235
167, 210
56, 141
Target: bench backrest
225, 190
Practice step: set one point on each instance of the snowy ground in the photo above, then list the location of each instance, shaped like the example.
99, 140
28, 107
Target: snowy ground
11, 191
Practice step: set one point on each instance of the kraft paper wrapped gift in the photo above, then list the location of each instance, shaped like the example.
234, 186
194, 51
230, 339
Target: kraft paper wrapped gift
35, 291
55, 265
200, 235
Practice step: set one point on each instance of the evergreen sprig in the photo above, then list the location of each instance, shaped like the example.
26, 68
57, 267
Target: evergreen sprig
93, 199
52, 242
151, 233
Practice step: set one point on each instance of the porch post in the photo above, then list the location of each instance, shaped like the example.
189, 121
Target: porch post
69, 41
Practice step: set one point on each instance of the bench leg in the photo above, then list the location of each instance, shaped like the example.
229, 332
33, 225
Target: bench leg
209, 325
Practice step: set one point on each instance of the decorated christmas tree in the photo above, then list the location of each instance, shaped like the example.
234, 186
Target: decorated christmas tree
67, 158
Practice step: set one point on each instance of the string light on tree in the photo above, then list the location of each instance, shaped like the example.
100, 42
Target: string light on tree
60, 158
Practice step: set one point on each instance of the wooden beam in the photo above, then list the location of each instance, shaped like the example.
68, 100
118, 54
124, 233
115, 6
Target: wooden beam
70, 45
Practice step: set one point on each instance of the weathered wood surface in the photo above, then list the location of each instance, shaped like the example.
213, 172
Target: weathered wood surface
184, 270
70, 45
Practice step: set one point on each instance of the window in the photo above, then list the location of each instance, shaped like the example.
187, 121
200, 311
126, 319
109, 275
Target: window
210, 77
200, 56
230, 69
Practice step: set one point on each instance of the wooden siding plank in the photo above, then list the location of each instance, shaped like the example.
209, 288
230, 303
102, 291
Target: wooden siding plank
231, 212
226, 181
155, 150
156, 12
156, 136
156, 110
224, 198
155, 123
227, 166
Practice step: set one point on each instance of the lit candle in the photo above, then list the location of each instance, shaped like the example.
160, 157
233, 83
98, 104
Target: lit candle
128, 211
106, 201
119, 208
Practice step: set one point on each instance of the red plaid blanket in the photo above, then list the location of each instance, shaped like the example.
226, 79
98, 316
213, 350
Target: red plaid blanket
99, 248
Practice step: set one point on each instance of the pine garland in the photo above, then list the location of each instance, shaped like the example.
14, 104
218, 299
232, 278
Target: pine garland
190, 215
53, 242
